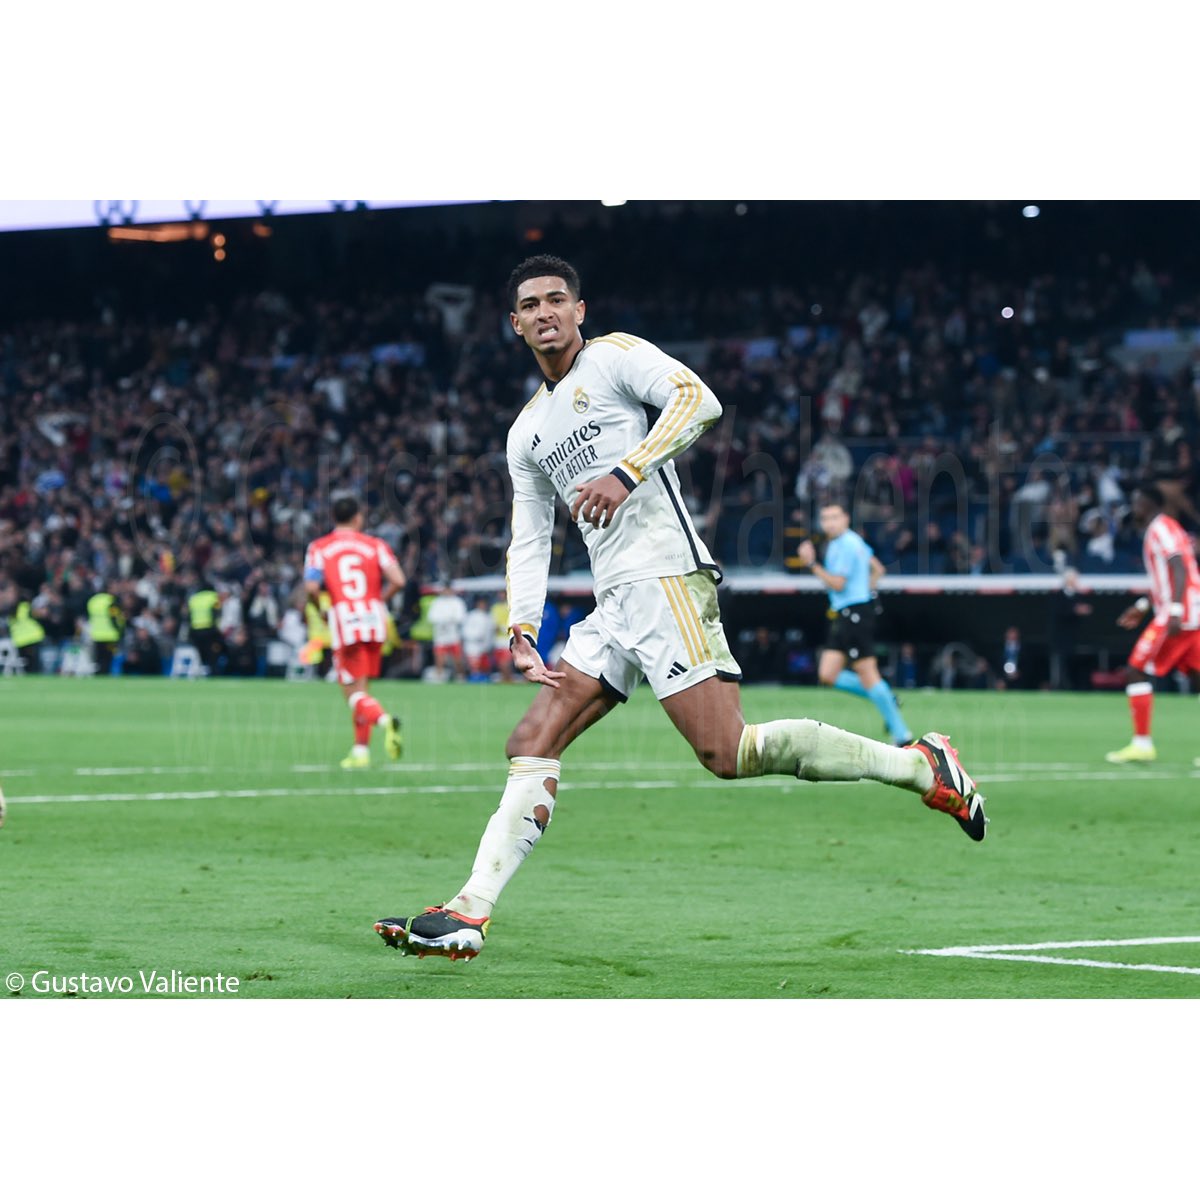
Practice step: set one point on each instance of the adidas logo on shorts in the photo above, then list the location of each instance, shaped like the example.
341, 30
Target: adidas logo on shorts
676, 669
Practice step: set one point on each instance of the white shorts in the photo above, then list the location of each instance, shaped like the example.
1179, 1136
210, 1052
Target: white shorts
668, 630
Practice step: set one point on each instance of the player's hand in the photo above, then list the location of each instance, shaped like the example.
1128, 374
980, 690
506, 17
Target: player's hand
806, 552
1174, 626
529, 662
599, 500
1131, 618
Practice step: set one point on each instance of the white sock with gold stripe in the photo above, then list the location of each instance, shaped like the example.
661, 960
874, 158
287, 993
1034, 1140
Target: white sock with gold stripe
512, 832
815, 751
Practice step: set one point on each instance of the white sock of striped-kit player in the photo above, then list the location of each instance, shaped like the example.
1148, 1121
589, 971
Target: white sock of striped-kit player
803, 748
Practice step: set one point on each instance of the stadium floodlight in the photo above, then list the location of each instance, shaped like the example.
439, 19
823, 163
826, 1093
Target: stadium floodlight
1031, 211
1006, 313
613, 203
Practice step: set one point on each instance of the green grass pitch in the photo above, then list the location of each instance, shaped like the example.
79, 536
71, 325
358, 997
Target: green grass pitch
205, 827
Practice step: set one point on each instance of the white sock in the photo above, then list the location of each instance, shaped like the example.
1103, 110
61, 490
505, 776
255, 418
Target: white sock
1143, 741
510, 835
813, 750
358, 751
384, 721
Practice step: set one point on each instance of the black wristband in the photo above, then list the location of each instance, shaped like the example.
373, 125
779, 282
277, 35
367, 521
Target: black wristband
627, 480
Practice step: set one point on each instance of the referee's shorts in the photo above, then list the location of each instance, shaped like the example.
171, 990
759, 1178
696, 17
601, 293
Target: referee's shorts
852, 631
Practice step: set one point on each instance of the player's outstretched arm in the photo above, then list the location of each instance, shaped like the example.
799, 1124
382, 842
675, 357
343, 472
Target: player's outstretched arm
529, 662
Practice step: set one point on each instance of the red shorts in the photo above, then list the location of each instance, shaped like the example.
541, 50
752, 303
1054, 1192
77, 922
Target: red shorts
359, 660
479, 663
1158, 653
454, 648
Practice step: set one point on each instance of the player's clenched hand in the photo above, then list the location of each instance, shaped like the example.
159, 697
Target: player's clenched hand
599, 500
529, 662
806, 552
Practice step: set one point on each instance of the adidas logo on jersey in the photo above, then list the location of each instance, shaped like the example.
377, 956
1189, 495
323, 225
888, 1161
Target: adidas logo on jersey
676, 669
537, 441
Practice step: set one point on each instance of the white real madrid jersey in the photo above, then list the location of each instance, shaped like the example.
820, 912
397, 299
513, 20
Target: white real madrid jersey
597, 421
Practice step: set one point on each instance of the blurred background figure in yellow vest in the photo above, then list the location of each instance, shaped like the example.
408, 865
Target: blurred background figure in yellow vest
105, 620
312, 653
27, 636
204, 605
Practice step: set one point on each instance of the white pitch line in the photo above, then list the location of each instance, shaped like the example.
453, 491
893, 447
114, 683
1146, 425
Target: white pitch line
145, 770
398, 790
1087, 945
245, 794
1089, 776
1082, 962
1003, 953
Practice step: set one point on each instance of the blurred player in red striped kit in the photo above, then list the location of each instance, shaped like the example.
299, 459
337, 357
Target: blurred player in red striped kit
1171, 642
361, 574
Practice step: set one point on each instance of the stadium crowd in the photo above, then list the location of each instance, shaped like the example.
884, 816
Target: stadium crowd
975, 424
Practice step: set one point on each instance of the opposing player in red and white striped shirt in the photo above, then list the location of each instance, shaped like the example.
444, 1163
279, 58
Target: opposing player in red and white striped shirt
352, 567
1171, 642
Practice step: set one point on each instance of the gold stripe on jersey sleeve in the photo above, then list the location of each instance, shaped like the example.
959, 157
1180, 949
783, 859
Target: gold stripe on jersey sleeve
631, 470
624, 340
684, 633
685, 405
693, 621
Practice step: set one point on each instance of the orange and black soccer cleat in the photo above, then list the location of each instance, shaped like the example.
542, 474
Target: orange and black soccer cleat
436, 931
953, 790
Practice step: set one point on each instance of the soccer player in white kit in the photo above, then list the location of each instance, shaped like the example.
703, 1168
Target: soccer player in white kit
586, 439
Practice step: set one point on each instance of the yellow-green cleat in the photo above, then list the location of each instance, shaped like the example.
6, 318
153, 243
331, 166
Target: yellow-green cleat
393, 742
1132, 754
356, 762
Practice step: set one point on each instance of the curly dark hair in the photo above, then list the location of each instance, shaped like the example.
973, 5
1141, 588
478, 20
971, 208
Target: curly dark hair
537, 266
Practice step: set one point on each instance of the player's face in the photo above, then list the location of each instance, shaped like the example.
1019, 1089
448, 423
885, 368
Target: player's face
834, 521
548, 316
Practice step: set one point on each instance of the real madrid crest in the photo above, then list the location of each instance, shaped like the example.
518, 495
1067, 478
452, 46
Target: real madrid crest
581, 400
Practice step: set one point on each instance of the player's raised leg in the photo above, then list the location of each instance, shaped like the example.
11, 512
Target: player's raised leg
556, 717
709, 715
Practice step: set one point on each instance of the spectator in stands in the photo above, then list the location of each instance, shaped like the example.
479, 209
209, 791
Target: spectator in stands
240, 656
478, 635
142, 654
447, 614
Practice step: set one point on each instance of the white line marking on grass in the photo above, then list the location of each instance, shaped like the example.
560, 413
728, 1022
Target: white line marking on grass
144, 770
492, 768
395, 790
1091, 945
244, 794
1084, 962
1005, 953
1089, 776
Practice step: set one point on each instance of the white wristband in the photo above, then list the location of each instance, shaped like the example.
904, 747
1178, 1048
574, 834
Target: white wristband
1175, 610
1142, 604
